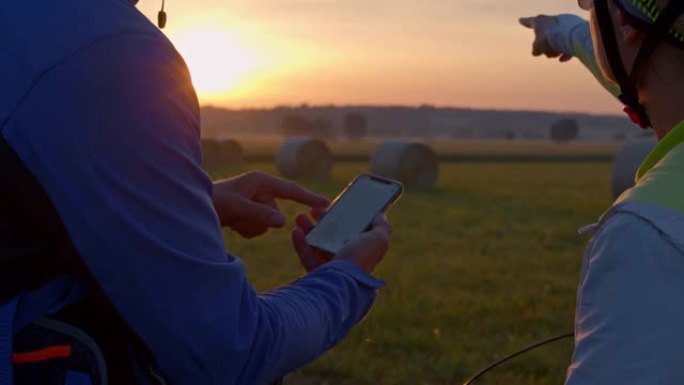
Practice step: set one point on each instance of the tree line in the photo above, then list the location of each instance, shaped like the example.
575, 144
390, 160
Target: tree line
355, 127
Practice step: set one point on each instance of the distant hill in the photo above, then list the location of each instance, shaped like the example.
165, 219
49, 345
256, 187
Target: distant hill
421, 122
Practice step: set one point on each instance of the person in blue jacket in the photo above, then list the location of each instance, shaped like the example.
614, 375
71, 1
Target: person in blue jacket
97, 108
628, 323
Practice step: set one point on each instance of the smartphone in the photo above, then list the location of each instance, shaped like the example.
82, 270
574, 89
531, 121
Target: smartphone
353, 211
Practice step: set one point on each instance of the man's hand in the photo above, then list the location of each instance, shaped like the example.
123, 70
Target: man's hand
247, 203
366, 250
541, 45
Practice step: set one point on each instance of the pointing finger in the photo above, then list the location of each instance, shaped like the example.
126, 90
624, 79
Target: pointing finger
284, 189
527, 22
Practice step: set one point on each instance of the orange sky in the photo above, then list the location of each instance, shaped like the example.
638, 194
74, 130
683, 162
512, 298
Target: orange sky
472, 53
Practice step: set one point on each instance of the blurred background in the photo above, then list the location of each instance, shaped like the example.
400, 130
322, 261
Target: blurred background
466, 53
506, 156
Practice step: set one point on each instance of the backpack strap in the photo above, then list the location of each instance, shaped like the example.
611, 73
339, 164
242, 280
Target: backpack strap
26, 307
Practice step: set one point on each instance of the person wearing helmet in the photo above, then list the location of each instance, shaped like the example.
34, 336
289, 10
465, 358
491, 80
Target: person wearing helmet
110, 226
628, 319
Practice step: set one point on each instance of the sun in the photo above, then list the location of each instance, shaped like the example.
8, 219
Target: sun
217, 63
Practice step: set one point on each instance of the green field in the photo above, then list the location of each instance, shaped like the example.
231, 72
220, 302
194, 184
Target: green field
483, 265
260, 149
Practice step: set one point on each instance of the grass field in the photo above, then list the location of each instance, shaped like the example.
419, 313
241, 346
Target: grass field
483, 265
260, 149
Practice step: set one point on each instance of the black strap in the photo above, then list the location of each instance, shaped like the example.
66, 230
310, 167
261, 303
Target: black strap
629, 94
611, 47
656, 33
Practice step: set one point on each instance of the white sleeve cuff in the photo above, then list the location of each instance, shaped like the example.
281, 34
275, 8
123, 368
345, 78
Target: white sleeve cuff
566, 29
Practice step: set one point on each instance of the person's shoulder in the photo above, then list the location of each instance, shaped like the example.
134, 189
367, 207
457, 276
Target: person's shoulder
42, 33
120, 88
651, 215
626, 228
628, 238
623, 223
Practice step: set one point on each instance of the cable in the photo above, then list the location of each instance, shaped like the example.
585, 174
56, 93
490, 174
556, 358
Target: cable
519, 352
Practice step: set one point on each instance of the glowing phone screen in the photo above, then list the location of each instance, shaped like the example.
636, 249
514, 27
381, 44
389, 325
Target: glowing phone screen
352, 212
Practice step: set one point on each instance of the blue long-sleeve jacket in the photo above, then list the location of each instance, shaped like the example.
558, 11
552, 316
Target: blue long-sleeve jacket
100, 108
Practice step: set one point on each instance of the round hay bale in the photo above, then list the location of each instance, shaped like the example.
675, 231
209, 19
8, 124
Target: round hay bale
412, 163
221, 153
305, 158
210, 152
627, 163
231, 152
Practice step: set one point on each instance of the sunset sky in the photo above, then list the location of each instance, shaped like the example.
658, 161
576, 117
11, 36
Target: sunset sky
470, 53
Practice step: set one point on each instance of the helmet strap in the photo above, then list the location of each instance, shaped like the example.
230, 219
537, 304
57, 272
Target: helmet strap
655, 34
